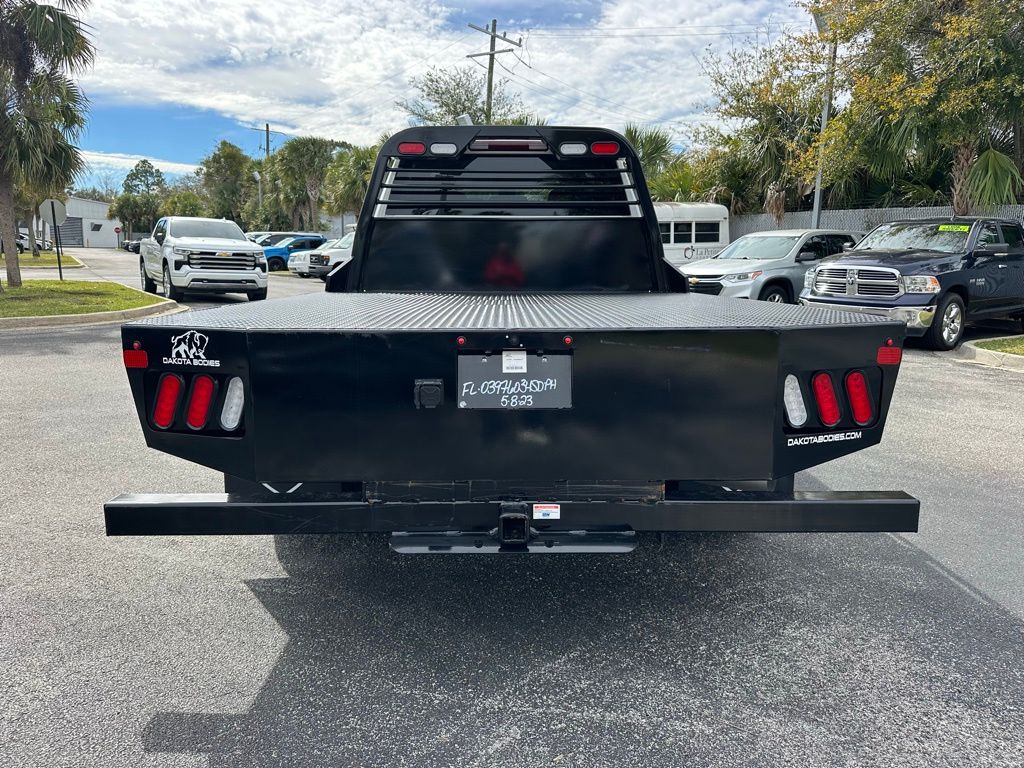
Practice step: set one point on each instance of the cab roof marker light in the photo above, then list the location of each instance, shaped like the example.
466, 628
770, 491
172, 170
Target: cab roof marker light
573, 148
412, 148
441, 148
793, 399
605, 147
234, 400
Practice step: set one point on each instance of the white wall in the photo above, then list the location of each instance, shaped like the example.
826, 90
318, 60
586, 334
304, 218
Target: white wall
93, 213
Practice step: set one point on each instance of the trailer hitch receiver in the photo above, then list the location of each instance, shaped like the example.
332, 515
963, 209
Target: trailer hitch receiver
513, 525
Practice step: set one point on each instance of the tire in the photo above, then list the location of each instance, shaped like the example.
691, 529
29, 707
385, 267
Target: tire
259, 295
170, 292
948, 326
148, 283
774, 294
276, 264
303, 275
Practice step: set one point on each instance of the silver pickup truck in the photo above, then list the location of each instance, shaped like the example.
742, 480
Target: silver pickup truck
186, 253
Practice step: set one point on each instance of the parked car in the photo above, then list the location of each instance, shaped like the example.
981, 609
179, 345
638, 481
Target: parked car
192, 254
769, 266
279, 253
273, 238
932, 274
255, 236
132, 245
519, 372
329, 255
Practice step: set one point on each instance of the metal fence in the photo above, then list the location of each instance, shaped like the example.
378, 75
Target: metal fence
863, 219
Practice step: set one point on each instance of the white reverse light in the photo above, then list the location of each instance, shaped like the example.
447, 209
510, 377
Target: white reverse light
792, 397
442, 149
573, 148
234, 400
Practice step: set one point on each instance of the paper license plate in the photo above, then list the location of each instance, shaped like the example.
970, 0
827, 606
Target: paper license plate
515, 380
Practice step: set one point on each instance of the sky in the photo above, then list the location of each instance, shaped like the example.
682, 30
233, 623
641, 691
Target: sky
173, 78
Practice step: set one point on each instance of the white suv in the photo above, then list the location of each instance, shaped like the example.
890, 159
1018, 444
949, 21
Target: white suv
211, 255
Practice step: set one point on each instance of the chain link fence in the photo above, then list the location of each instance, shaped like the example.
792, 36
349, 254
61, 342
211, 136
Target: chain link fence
857, 219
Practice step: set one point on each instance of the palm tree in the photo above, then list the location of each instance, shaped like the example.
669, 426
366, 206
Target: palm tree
348, 179
652, 145
41, 109
303, 163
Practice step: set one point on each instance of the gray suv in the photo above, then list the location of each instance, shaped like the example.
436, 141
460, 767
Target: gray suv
769, 266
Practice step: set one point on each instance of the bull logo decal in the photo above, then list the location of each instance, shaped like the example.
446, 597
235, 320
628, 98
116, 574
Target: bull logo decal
190, 345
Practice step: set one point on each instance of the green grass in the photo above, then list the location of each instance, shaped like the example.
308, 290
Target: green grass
1014, 345
47, 259
71, 297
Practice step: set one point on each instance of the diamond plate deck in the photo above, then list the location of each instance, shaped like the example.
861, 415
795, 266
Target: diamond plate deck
508, 312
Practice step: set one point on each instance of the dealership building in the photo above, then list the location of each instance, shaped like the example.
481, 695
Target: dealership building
87, 225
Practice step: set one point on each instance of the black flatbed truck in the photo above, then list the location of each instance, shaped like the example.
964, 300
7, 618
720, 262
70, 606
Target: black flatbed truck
508, 364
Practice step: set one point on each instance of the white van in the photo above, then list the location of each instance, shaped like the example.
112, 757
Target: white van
692, 231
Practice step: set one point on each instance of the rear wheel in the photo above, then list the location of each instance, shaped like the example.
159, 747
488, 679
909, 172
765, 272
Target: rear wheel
259, 295
170, 291
148, 283
775, 294
948, 326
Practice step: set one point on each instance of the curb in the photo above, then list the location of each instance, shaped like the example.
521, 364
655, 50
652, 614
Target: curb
63, 266
162, 307
1006, 360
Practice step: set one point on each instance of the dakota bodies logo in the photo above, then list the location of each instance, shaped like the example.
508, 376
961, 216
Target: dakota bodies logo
190, 349
826, 438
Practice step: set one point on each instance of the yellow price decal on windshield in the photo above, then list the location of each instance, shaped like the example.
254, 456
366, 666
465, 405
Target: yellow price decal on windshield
954, 227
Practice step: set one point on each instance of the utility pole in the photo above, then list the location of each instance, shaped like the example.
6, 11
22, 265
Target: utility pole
266, 145
492, 32
823, 29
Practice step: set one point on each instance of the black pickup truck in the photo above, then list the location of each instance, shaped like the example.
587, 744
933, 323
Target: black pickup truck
510, 366
932, 274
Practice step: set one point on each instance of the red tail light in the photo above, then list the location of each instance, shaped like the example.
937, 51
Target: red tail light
199, 403
168, 394
860, 398
825, 397
605, 147
412, 148
889, 355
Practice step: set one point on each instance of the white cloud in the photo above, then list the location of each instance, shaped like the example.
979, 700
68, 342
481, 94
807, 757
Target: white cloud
336, 69
98, 162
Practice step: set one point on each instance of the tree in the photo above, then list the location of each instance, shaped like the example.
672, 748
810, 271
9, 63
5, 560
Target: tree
41, 110
183, 202
302, 164
223, 175
348, 179
144, 177
445, 94
940, 78
135, 210
652, 145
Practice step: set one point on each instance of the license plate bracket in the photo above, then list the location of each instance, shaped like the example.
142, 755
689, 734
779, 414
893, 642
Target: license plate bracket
514, 380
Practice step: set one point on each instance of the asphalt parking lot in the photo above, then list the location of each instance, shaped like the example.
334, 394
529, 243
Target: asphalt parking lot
709, 650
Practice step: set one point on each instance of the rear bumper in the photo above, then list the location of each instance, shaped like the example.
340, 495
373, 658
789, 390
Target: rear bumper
220, 514
918, 319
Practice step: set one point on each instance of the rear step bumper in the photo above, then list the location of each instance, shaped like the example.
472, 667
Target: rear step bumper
219, 514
